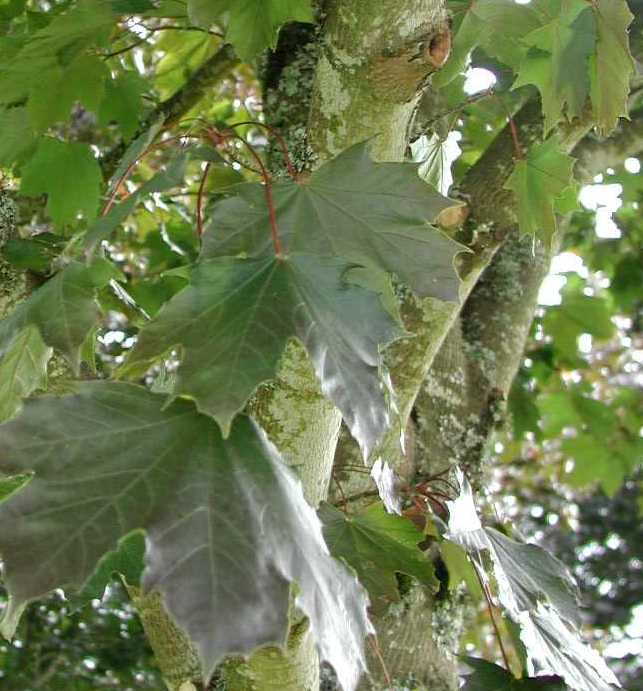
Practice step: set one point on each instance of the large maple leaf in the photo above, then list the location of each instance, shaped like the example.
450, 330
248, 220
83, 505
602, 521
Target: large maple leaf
235, 318
375, 214
228, 528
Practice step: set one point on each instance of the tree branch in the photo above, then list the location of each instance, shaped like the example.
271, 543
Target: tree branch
176, 106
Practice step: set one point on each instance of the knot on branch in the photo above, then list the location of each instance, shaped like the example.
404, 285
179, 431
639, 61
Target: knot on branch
401, 73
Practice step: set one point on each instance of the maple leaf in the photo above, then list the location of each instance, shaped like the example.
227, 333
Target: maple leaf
538, 180
23, 369
481, 24
375, 214
235, 318
47, 55
227, 525
538, 593
251, 25
82, 81
68, 174
377, 545
123, 103
489, 677
64, 309
613, 65
557, 62
18, 138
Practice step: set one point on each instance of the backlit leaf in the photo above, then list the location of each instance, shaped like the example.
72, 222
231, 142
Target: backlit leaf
613, 65
68, 174
537, 181
375, 214
495, 25
251, 25
53, 48
227, 526
81, 81
123, 103
18, 137
377, 545
235, 318
557, 62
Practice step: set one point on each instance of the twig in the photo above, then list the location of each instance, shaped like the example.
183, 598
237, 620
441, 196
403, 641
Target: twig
487, 596
372, 639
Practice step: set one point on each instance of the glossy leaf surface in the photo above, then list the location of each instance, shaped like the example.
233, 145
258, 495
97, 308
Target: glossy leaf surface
235, 318
227, 525
374, 214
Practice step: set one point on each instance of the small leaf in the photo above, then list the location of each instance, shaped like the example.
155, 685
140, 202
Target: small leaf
377, 545
23, 369
613, 64
227, 525
63, 39
251, 25
375, 214
68, 174
557, 62
460, 568
537, 181
384, 479
64, 309
82, 81
435, 156
123, 103
489, 677
235, 318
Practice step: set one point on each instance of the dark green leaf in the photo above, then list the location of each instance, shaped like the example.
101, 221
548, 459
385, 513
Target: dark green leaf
33, 254
228, 528
525, 415
68, 174
489, 677
235, 318
64, 309
377, 545
125, 561
376, 214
